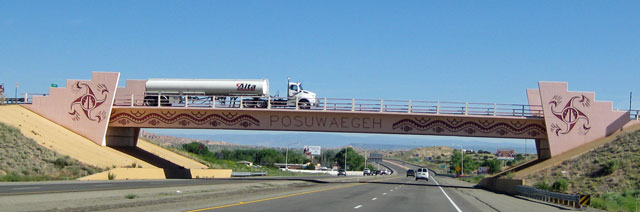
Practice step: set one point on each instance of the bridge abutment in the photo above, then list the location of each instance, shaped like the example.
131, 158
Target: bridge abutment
122, 136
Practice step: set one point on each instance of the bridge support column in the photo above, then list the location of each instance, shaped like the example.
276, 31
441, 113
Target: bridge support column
544, 151
122, 136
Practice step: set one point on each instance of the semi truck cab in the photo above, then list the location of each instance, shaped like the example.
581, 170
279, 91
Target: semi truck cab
305, 98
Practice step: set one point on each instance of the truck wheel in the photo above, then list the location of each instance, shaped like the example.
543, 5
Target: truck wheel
304, 104
151, 101
261, 104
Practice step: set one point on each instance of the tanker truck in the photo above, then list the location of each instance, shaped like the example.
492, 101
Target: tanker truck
254, 93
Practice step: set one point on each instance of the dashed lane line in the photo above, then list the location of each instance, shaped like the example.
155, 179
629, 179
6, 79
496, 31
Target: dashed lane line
359, 206
375, 198
284, 196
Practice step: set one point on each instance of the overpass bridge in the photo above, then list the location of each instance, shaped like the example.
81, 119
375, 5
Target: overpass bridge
557, 119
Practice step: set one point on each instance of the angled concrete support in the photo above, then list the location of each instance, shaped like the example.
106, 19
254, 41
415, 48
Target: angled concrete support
122, 136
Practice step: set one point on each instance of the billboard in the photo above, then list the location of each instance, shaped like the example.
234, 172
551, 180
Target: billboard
312, 150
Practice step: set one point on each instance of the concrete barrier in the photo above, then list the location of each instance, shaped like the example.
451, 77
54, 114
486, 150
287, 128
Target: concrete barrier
507, 186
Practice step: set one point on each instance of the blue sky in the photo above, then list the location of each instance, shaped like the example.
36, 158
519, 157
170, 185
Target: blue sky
476, 51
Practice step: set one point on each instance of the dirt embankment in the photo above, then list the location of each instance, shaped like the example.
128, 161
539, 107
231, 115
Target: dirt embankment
612, 167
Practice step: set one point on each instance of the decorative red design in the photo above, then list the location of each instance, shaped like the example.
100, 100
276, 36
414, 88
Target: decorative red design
88, 102
570, 114
185, 119
469, 127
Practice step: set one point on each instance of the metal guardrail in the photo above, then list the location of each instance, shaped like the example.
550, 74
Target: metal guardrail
338, 104
248, 174
572, 200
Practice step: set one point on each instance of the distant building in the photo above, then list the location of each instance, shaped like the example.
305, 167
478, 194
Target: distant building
247, 163
375, 157
428, 158
505, 154
1, 89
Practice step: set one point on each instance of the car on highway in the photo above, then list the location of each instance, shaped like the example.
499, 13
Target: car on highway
378, 172
422, 173
366, 172
411, 172
342, 172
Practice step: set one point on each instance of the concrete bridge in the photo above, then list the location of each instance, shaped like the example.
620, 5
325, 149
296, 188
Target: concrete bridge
558, 120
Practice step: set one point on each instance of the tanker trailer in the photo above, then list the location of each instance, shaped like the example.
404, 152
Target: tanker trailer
255, 92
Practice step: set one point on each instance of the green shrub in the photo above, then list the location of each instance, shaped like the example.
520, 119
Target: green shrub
561, 185
111, 176
611, 166
542, 185
616, 202
131, 196
62, 162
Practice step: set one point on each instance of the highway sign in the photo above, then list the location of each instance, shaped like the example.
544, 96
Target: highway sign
53, 85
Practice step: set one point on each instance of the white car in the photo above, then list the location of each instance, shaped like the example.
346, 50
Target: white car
366, 172
422, 173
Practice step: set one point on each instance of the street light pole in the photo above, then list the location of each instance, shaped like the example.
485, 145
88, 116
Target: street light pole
345, 159
286, 157
15, 98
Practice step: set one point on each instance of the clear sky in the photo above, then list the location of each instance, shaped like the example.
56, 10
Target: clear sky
476, 51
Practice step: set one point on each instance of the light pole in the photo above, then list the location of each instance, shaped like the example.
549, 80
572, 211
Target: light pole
15, 98
286, 157
345, 158
462, 163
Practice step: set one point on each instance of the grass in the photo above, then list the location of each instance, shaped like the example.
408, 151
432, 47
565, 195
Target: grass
131, 196
627, 201
475, 179
111, 176
22, 159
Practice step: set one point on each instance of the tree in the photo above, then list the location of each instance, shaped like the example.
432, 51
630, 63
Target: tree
354, 160
494, 165
196, 148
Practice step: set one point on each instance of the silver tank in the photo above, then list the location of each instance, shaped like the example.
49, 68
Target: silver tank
217, 87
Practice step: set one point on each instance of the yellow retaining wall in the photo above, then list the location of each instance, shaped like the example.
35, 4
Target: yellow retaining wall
154, 174
128, 174
210, 173
166, 154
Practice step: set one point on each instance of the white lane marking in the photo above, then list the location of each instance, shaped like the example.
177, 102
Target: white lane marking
391, 190
445, 194
357, 206
384, 193
104, 185
375, 198
25, 188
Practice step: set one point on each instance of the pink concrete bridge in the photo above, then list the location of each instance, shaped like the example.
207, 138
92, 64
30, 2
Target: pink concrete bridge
559, 120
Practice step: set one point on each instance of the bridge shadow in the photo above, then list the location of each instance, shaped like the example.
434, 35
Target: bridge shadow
171, 170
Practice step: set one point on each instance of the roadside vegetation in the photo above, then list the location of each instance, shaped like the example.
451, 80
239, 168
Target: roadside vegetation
610, 173
22, 159
264, 159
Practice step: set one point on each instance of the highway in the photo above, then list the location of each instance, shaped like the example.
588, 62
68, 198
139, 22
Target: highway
309, 193
79, 186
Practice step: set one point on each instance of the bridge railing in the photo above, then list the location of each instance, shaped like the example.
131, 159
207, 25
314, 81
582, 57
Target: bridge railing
334, 104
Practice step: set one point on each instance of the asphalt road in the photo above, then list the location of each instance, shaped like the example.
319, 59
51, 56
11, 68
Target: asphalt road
399, 193
77, 186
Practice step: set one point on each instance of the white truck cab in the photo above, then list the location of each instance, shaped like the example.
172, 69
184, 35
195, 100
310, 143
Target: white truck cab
305, 98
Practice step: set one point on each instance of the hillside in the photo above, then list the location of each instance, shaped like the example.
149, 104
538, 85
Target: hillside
22, 159
613, 167
167, 140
